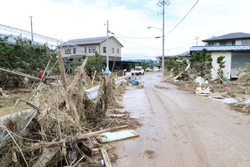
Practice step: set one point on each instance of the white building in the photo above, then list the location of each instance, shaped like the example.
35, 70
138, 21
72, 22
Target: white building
234, 46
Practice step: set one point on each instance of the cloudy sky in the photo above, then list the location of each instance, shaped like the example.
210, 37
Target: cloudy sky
128, 20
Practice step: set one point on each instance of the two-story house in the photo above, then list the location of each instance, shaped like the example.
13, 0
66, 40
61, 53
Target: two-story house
80, 48
234, 46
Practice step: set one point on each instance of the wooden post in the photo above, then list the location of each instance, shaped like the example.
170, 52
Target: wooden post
93, 78
62, 69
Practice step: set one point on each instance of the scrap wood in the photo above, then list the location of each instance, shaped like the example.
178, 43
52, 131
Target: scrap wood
105, 158
93, 78
78, 75
188, 66
62, 69
46, 156
59, 112
61, 142
21, 74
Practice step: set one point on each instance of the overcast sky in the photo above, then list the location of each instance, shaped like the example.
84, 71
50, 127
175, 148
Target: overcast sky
128, 20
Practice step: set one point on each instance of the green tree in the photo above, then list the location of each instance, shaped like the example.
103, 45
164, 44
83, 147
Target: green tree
221, 64
201, 61
145, 64
24, 56
94, 63
170, 63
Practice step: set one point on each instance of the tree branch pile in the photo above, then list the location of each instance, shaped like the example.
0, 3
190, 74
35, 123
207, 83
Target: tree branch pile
60, 131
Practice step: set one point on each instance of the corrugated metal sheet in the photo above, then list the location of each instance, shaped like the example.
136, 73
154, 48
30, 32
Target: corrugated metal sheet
222, 48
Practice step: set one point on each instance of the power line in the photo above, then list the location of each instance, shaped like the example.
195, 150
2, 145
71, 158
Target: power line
183, 17
124, 36
165, 34
139, 44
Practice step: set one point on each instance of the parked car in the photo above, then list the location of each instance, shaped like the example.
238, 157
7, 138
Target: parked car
157, 69
137, 70
149, 69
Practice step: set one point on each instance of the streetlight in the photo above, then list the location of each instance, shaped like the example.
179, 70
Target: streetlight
162, 61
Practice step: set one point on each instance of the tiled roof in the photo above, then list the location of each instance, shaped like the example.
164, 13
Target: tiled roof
237, 35
89, 41
222, 48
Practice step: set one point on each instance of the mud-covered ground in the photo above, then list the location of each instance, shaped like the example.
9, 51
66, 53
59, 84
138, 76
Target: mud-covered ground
181, 128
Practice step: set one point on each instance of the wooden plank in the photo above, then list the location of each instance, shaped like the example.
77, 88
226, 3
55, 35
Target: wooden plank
105, 158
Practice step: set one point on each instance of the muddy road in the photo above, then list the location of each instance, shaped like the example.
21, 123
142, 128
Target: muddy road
181, 129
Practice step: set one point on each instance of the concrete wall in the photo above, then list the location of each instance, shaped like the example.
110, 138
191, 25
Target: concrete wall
227, 59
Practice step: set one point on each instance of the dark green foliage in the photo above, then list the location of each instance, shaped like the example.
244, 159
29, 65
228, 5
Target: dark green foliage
221, 65
94, 63
169, 63
202, 63
23, 56
221, 62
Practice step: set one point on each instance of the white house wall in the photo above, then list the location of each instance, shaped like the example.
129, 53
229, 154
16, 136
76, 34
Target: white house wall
80, 49
111, 44
227, 59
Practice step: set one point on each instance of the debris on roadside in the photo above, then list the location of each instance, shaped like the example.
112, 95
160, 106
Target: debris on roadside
64, 125
203, 91
133, 81
3, 93
116, 136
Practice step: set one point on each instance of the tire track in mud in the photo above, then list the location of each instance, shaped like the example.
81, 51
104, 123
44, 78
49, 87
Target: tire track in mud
188, 130
181, 129
174, 147
224, 127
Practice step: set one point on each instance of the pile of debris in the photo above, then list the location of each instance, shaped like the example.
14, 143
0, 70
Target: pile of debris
62, 127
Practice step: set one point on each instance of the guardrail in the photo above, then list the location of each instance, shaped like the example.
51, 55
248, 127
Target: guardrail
92, 93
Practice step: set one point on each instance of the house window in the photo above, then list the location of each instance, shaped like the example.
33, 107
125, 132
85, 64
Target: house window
113, 50
216, 43
117, 50
104, 50
68, 51
85, 49
223, 43
74, 51
92, 49
245, 42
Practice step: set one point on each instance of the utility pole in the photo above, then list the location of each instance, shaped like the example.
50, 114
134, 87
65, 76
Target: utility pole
107, 71
31, 28
196, 38
162, 4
